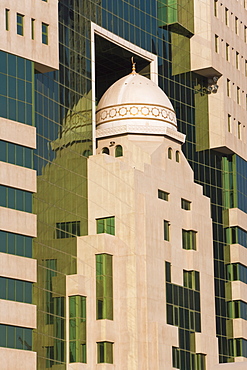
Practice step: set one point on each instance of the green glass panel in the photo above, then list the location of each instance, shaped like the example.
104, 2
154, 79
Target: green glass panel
104, 287
106, 225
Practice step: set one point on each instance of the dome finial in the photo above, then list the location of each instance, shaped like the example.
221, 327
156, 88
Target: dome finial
133, 65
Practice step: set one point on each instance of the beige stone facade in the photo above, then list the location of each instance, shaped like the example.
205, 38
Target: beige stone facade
30, 45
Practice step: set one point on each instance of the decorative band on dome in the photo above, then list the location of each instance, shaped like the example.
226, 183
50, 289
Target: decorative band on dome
136, 111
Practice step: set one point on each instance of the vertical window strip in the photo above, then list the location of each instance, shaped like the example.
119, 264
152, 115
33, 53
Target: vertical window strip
20, 24
104, 287
45, 33
77, 329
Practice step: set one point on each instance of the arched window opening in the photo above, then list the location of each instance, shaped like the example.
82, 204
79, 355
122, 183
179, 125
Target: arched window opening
105, 150
119, 151
177, 156
170, 153
87, 153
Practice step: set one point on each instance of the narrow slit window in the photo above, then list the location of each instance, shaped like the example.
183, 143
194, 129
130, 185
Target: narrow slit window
170, 153
166, 230
239, 130
7, 19
236, 25
229, 123
238, 95
32, 28
228, 89
227, 52
237, 59
226, 17
216, 8
216, 43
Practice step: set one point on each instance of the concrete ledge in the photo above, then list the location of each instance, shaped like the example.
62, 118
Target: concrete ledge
19, 222
233, 366
17, 133
238, 253
18, 177
17, 359
239, 328
77, 285
17, 314
17, 267
239, 291
236, 217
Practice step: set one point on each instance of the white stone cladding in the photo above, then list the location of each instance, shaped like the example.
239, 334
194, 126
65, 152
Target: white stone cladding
127, 188
45, 56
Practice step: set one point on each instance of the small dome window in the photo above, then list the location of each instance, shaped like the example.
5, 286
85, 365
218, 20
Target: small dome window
87, 153
177, 156
170, 153
119, 151
105, 150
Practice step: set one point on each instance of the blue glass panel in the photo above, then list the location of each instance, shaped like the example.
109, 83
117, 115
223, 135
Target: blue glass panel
11, 337
12, 65
3, 62
3, 84
3, 106
21, 68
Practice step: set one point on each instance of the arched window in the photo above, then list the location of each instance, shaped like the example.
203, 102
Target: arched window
170, 153
177, 156
119, 151
87, 153
105, 150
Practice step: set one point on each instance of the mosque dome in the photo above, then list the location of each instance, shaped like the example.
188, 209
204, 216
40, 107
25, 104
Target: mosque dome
135, 104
